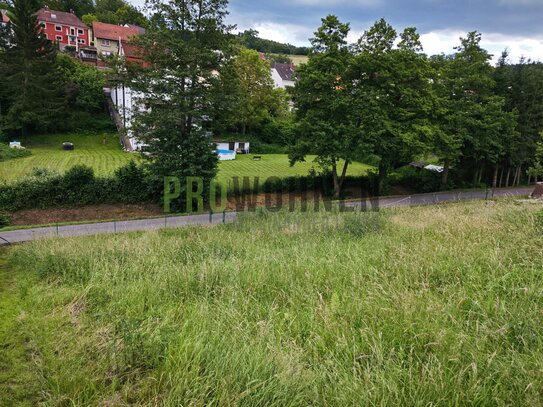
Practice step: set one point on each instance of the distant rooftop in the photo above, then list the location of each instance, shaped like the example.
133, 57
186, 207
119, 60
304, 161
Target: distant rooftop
285, 71
4, 16
60, 17
114, 32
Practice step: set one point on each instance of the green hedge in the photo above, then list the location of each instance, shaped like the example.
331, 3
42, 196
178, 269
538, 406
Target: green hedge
78, 186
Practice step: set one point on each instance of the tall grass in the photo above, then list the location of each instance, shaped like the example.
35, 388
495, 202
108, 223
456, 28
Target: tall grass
423, 306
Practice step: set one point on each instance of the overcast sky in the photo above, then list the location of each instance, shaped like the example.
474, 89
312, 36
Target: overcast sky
513, 24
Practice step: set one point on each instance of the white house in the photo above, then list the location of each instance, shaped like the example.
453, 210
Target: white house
283, 75
241, 147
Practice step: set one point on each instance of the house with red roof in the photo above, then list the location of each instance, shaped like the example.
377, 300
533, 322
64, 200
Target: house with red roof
64, 28
108, 38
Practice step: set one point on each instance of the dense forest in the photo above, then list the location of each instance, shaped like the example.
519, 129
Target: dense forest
250, 39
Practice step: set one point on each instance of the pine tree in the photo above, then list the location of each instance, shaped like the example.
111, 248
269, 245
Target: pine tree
187, 47
34, 86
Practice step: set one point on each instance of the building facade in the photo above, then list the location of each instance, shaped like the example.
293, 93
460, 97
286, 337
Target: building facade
108, 37
63, 28
283, 75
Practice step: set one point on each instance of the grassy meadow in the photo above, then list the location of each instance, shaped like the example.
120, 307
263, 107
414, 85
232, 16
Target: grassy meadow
423, 306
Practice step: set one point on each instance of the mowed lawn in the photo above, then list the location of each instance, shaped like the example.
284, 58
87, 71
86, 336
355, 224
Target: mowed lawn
47, 153
105, 158
275, 165
429, 306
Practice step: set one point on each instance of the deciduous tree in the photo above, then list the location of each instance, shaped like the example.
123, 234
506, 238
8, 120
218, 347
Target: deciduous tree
324, 105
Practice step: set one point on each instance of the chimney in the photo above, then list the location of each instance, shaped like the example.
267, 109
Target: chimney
72, 11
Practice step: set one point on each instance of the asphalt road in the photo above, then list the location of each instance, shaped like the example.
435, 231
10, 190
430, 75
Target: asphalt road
25, 235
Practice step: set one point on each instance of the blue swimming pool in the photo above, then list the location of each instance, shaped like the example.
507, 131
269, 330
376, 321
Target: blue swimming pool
224, 151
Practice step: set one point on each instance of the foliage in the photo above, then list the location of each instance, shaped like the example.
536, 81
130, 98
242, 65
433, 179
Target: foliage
521, 84
250, 39
118, 12
248, 93
393, 96
187, 46
34, 89
88, 19
4, 220
418, 180
78, 186
324, 109
536, 170
79, 7
7, 153
281, 131
196, 308
85, 84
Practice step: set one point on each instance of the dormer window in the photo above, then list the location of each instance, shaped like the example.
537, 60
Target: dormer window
53, 16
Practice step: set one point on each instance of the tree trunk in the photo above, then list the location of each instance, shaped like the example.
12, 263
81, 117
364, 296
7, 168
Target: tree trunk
381, 179
507, 178
519, 178
480, 176
495, 177
529, 179
501, 176
445, 177
515, 178
336, 181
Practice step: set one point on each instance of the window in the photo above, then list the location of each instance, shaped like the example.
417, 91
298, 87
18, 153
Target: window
53, 16
58, 37
72, 39
105, 43
106, 53
72, 31
81, 41
58, 28
231, 146
80, 31
42, 24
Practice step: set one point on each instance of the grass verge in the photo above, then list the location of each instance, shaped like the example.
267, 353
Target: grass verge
420, 306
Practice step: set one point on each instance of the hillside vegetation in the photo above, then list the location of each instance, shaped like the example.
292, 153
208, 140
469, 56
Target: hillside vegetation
423, 306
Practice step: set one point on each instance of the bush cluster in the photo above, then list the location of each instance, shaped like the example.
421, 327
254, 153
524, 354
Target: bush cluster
7, 153
78, 186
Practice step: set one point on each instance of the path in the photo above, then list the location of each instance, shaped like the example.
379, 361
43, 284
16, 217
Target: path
25, 235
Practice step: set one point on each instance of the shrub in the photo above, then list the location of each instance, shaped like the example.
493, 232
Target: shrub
7, 153
280, 132
131, 183
78, 186
419, 180
4, 220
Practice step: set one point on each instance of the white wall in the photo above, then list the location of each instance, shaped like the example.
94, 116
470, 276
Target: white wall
280, 82
226, 145
125, 100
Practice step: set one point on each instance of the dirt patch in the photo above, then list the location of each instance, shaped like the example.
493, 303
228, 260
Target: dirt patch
83, 214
